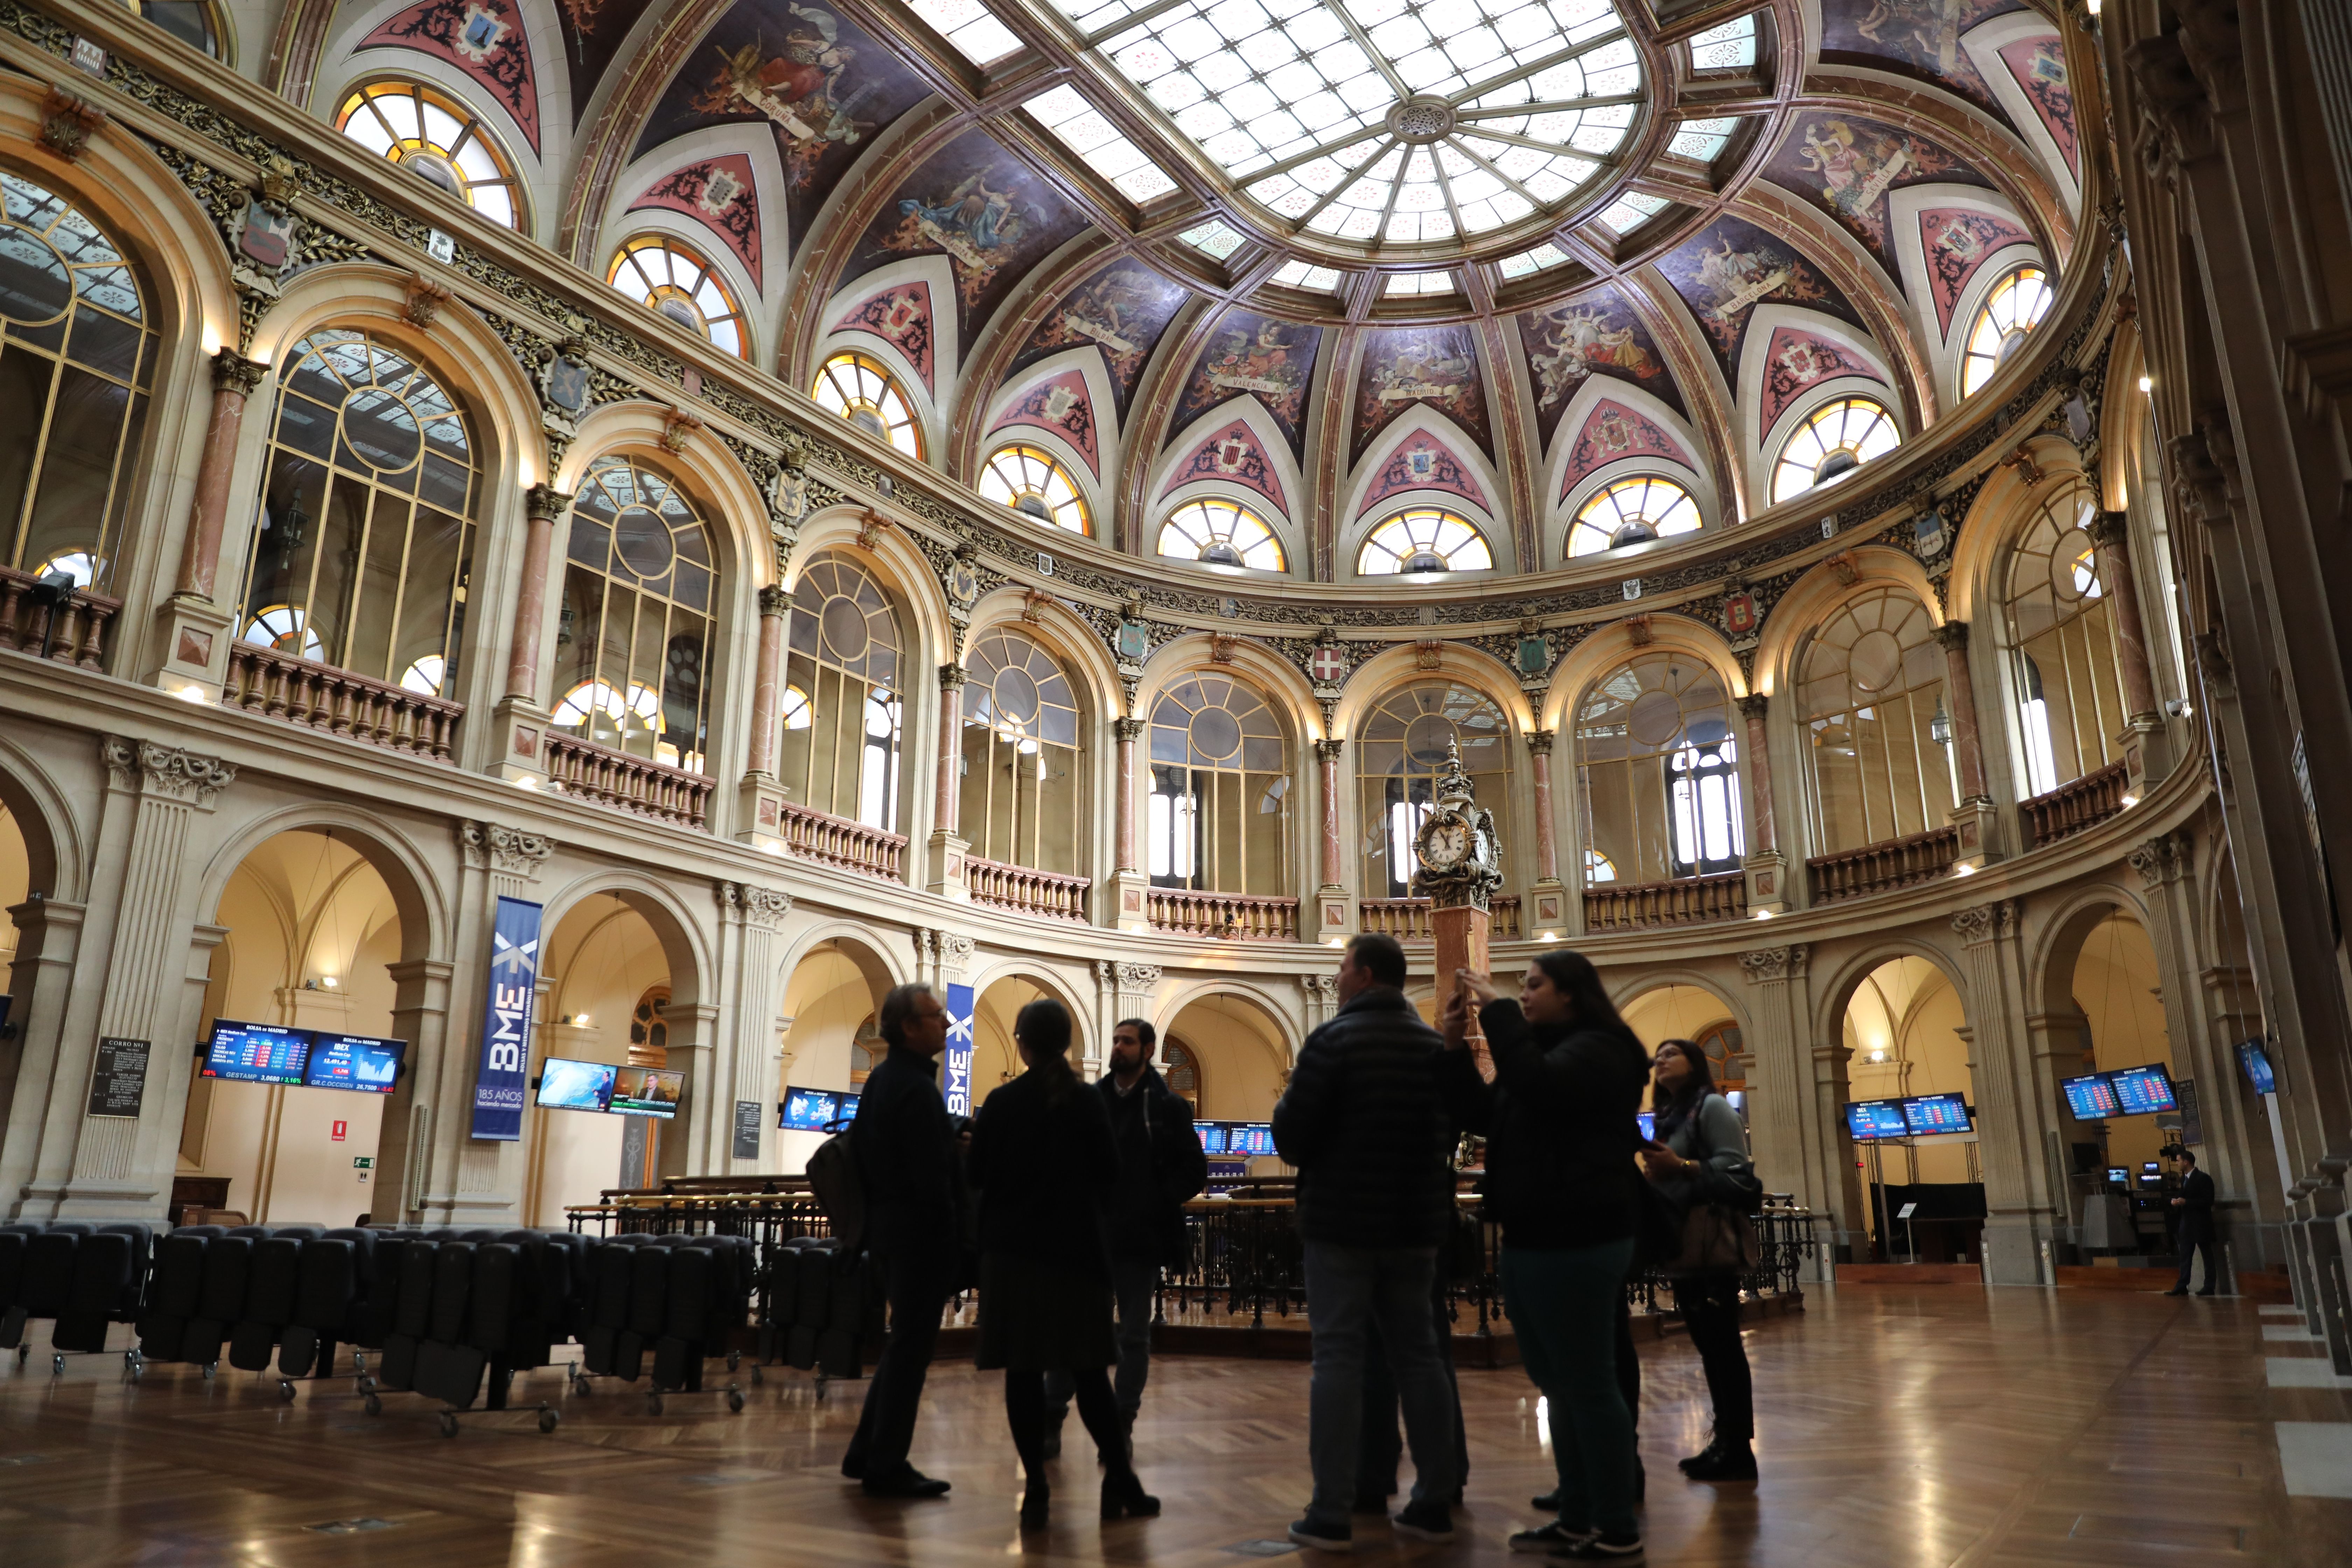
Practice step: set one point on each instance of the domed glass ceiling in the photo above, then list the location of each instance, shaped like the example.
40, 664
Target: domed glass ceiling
1384, 122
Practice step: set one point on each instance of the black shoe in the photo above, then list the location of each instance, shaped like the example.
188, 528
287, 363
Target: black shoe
2208, 1292
1553, 1540
1037, 1505
2177, 1290
854, 1467
1424, 1521
1547, 1503
1372, 1503
1703, 1457
1724, 1462
909, 1482
1123, 1497
1609, 1546
1312, 1532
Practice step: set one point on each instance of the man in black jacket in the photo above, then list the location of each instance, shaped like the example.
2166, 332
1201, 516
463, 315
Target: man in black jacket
1366, 1125
2194, 1210
906, 1148
1160, 1164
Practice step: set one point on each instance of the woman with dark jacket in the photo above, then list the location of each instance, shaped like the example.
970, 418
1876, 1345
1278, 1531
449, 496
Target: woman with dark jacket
1561, 1138
1041, 1156
1698, 1131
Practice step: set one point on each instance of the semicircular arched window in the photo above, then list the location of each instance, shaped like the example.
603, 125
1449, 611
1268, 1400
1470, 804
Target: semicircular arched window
1218, 532
1869, 686
2010, 312
1220, 802
195, 23
1024, 773
677, 283
437, 139
2062, 633
843, 707
1657, 773
365, 539
1402, 747
639, 618
1423, 538
76, 358
1632, 511
856, 387
1835, 439
1033, 482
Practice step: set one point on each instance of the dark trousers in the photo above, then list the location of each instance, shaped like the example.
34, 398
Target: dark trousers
1135, 1284
1382, 1447
1629, 1365
1025, 1400
2196, 1236
1709, 1305
915, 1280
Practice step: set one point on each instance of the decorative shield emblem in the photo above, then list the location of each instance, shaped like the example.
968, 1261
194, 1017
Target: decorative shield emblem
1328, 665
1044, 564
1740, 613
963, 581
1134, 639
1632, 587
1534, 655
267, 238
1928, 535
1230, 609
789, 493
567, 385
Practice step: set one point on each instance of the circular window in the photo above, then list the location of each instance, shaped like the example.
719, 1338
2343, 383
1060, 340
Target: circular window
439, 139
641, 538
1423, 540
677, 284
1835, 439
1220, 533
2010, 312
1216, 734
842, 621
1031, 481
1630, 511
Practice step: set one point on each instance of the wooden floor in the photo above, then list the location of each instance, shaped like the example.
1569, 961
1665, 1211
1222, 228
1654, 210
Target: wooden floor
1901, 1425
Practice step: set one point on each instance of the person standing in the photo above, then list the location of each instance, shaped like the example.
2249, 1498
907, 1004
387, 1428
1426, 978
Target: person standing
1363, 1123
905, 1147
1561, 1138
1698, 1132
1161, 1165
1043, 1158
2194, 1209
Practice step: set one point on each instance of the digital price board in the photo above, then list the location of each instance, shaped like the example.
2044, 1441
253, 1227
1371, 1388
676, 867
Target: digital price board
1931, 1115
2091, 1098
256, 1053
2143, 1090
1872, 1119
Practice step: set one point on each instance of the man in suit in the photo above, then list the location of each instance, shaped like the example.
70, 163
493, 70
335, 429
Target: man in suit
2194, 1210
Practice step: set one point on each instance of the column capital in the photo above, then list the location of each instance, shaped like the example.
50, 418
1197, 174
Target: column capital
1983, 922
1128, 729
952, 677
1770, 964
168, 772
545, 504
1331, 750
232, 372
2109, 530
1954, 635
760, 907
776, 599
1539, 741
1756, 704
492, 846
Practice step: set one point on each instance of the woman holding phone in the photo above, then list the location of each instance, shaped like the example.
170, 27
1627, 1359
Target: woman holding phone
1560, 1138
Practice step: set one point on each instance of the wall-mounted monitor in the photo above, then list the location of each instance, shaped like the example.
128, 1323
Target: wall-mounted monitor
353, 1061
1250, 1140
1212, 1136
2142, 1091
647, 1091
809, 1109
2119, 1175
1875, 1119
256, 1053
2091, 1098
2251, 1056
566, 1085
1932, 1115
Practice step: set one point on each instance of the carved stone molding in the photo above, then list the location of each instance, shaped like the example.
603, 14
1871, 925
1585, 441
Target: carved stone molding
2213, 664
2199, 483
678, 430
1331, 751
954, 950
168, 772
425, 300
776, 599
1755, 705
1954, 635
1137, 976
2109, 530
1539, 741
1320, 988
67, 122
232, 372
1770, 963
1983, 922
1128, 729
2167, 858
952, 677
492, 846
760, 907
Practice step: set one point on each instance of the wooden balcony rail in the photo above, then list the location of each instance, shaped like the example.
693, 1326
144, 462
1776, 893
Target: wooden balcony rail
1228, 915
839, 842
302, 691
1686, 901
1884, 866
1047, 893
1407, 920
78, 637
2072, 807
640, 784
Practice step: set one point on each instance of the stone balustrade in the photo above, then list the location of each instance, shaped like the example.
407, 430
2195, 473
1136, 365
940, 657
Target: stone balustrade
1232, 916
638, 784
1884, 866
1026, 891
1684, 900
2071, 807
839, 842
73, 631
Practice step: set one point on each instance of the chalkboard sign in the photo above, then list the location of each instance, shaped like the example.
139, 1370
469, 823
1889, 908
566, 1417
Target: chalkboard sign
120, 1084
747, 1129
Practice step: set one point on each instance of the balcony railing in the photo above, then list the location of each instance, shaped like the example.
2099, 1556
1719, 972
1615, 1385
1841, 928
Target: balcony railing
77, 636
1407, 920
1686, 901
318, 696
1225, 915
2072, 807
839, 842
613, 778
1046, 893
1884, 866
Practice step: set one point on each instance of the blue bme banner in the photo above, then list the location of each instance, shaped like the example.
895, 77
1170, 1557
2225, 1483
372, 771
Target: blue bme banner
505, 1021
957, 1083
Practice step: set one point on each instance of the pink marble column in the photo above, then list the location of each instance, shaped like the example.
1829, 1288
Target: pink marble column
1961, 706
1763, 830
775, 605
1130, 732
1327, 755
948, 807
1546, 842
2110, 533
234, 379
543, 506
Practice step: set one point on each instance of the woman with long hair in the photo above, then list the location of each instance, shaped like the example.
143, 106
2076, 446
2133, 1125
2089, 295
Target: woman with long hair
1042, 1155
1697, 1132
1560, 1139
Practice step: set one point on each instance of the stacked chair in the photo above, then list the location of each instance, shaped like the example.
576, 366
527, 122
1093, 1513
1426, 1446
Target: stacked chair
79, 1276
827, 1306
657, 1306
291, 1291
454, 1315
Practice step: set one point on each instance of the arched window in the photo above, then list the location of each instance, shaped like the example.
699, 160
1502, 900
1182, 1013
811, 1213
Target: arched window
1630, 511
1180, 1067
365, 538
195, 23
1400, 748
2010, 312
1721, 1046
1220, 803
638, 627
77, 357
1023, 773
1869, 685
1035, 484
2070, 703
1219, 533
841, 702
1835, 439
856, 387
430, 133
675, 282
1657, 774
1423, 538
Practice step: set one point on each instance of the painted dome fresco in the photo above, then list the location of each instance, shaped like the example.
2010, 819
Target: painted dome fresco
1333, 290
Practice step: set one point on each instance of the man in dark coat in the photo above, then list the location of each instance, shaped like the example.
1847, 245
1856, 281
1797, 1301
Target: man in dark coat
1365, 1123
906, 1148
2194, 1210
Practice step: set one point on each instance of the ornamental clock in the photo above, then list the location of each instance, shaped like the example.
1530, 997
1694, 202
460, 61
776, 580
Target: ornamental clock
1461, 860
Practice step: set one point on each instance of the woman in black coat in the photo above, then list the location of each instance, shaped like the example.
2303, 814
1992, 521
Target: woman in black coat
1043, 1157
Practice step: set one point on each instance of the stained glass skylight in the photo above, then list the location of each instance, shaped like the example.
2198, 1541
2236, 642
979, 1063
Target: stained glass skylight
1083, 130
1302, 275
969, 26
1419, 283
1701, 138
1630, 211
1214, 239
1731, 47
1527, 263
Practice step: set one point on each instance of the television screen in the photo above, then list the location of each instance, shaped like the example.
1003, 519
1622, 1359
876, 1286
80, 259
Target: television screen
2151, 1168
2143, 1091
2091, 1098
2119, 1174
2250, 1056
647, 1091
1649, 1121
1929, 1114
809, 1109
1250, 1138
353, 1061
1877, 1118
1212, 1136
256, 1053
566, 1085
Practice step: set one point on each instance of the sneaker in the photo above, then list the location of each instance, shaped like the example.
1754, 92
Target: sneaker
1424, 1521
1608, 1546
1553, 1540
1312, 1532
1724, 1462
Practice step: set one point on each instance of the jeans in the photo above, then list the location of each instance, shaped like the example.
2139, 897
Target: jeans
1562, 1303
1135, 1282
1349, 1290
1709, 1305
2192, 1239
1380, 1449
916, 1283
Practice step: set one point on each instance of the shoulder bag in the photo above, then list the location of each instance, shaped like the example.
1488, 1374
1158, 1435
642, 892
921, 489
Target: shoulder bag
1718, 1236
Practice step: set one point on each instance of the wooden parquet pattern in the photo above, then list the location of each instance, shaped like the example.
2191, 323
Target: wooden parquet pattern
1922, 1425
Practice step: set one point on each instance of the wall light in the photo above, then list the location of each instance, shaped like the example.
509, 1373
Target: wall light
194, 694
526, 781
2147, 384
2130, 800
1964, 870
1762, 915
329, 982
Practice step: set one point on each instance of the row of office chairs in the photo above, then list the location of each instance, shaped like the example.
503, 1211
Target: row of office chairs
79, 1276
826, 1307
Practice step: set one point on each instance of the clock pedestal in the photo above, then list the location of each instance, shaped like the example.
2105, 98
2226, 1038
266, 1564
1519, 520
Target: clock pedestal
1464, 938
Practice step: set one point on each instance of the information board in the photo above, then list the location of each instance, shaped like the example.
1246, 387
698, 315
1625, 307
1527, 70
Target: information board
1868, 1118
2091, 1098
256, 1053
1254, 1140
2142, 1091
747, 1129
1931, 1115
358, 1062
120, 1084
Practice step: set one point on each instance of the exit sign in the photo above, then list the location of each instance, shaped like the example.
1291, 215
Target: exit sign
363, 1162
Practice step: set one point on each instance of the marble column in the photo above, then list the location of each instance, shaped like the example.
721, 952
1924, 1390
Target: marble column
543, 508
775, 605
2110, 536
1540, 744
1961, 706
1326, 757
947, 805
1130, 732
234, 379
1763, 834
1130, 903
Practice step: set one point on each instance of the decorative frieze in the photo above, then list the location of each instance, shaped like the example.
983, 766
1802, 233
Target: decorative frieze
760, 907
170, 772
1770, 963
493, 846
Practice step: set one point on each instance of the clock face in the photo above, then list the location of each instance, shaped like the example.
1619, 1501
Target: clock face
1445, 843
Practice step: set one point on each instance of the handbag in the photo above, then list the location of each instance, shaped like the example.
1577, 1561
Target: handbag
1718, 1237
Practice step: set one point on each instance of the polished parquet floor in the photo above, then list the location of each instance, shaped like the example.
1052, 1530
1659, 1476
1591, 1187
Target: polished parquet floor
1925, 1426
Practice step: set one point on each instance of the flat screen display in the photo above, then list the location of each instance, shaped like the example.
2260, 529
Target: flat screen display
256, 1053
1212, 1136
2143, 1091
647, 1091
1931, 1114
1649, 1121
2119, 1174
1877, 1119
809, 1109
2250, 1056
566, 1085
353, 1061
2091, 1098
1250, 1138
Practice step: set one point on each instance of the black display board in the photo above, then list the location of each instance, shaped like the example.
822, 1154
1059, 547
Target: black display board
119, 1085
747, 1129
